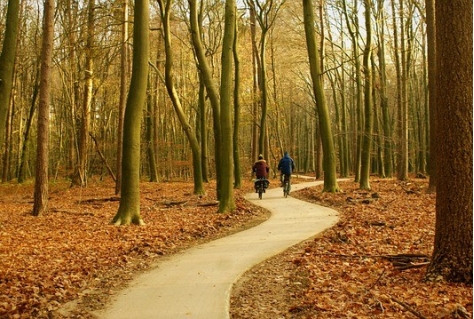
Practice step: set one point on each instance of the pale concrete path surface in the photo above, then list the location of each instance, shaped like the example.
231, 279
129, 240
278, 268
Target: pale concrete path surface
197, 283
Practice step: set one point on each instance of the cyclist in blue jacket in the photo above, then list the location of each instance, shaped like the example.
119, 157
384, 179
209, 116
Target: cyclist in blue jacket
286, 167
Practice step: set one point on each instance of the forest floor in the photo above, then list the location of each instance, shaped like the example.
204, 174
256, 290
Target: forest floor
69, 262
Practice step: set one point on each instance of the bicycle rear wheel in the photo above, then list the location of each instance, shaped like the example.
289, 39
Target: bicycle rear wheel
286, 189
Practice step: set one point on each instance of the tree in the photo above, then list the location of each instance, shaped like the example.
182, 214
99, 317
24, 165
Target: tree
329, 156
367, 137
80, 175
353, 28
129, 208
431, 37
7, 61
211, 87
40, 205
235, 138
387, 131
452, 255
165, 7
266, 13
226, 200
123, 94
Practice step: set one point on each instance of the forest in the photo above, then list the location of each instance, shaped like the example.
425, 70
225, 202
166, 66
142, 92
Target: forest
172, 90
91, 67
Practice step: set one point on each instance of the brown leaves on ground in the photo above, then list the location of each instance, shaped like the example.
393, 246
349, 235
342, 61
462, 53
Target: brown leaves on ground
74, 256
353, 269
67, 263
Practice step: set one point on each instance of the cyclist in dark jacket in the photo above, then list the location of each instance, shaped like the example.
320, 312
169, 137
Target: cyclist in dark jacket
286, 167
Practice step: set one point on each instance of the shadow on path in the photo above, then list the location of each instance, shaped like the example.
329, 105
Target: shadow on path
197, 283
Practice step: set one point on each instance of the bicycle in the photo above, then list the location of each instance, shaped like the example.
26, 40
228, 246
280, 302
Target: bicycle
286, 185
260, 185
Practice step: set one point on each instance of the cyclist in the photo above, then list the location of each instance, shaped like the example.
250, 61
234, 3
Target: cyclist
261, 169
286, 167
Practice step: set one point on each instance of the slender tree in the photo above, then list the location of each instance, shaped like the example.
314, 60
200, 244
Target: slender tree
42, 152
329, 156
452, 256
124, 53
266, 13
211, 87
367, 137
387, 126
129, 208
165, 7
353, 28
235, 138
80, 176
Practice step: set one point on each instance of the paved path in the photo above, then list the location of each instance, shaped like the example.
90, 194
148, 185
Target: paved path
197, 283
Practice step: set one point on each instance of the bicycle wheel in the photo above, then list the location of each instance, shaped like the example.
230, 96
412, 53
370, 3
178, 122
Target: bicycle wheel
286, 189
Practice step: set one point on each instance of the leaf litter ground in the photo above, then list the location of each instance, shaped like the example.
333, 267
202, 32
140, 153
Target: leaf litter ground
68, 263
353, 270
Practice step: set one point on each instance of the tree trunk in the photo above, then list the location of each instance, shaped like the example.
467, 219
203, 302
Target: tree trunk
149, 127
386, 123
40, 205
235, 142
226, 201
123, 95
354, 34
195, 148
255, 80
211, 87
452, 255
329, 157
8, 141
432, 92
203, 140
129, 209
367, 139
80, 176
402, 97
29, 121
7, 62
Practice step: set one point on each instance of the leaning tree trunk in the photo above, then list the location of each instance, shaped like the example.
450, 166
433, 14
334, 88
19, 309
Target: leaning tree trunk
42, 152
329, 157
26, 134
169, 81
452, 255
129, 209
211, 88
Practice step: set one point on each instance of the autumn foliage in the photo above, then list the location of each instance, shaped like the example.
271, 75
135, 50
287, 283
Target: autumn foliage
68, 263
371, 264
74, 253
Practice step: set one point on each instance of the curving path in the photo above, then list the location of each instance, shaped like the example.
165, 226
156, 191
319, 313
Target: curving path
197, 282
